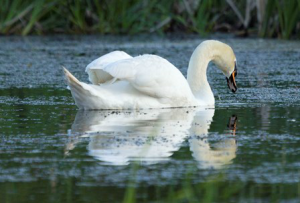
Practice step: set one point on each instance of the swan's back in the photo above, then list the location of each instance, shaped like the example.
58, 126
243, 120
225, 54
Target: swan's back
146, 81
95, 68
151, 75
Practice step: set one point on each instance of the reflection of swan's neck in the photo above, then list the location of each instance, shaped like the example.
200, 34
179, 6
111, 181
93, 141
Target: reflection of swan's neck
196, 75
210, 155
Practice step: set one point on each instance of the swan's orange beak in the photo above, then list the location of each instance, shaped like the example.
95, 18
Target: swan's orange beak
231, 81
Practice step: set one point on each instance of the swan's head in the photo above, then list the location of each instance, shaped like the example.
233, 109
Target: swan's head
224, 57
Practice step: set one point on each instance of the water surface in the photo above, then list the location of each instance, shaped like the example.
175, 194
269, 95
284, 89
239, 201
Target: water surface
246, 149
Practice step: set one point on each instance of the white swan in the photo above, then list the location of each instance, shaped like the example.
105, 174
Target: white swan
149, 81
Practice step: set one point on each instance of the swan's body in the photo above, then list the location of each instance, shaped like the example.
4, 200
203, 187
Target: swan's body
149, 81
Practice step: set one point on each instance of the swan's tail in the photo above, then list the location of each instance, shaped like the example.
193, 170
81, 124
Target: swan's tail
79, 90
71, 80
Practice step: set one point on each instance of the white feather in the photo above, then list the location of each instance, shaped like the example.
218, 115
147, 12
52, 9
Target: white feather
95, 68
149, 81
153, 76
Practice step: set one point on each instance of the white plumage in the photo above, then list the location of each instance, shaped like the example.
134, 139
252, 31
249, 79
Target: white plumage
95, 69
147, 81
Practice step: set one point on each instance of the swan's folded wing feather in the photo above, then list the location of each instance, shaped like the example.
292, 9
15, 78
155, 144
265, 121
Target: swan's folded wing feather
151, 75
95, 68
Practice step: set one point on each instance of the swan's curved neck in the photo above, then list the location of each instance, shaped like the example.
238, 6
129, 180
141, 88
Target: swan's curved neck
196, 75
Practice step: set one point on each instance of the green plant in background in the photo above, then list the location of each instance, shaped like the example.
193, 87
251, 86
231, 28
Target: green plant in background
201, 20
288, 14
281, 18
10, 13
266, 18
77, 15
39, 9
197, 16
268, 27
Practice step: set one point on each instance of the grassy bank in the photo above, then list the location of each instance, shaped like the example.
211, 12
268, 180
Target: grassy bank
265, 18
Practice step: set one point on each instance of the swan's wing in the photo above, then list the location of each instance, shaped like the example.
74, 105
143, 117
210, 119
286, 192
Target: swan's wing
95, 68
151, 75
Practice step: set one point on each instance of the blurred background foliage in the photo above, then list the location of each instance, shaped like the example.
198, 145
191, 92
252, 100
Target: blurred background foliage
264, 18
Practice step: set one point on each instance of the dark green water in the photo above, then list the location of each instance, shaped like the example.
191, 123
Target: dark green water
247, 149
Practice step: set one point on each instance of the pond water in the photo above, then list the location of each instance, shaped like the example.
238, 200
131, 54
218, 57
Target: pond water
246, 149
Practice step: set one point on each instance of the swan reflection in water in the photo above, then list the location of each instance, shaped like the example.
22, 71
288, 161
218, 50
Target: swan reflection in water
151, 136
